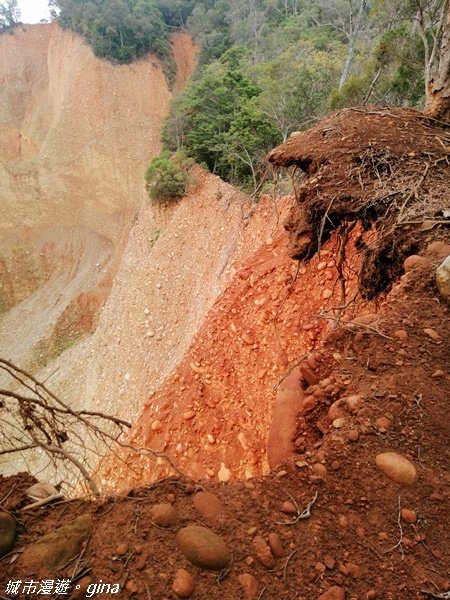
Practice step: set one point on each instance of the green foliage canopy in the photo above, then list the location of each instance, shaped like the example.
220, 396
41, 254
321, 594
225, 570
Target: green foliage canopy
167, 176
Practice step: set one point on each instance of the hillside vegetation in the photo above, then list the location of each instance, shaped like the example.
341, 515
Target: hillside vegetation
269, 67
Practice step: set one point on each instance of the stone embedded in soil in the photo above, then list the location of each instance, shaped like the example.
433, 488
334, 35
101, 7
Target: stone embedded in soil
310, 377
397, 468
401, 335
7, 533
223, 473
383, 424
289, 508
333, 593
121, 549
413, 261
81, 588
203, 548
263, 553
249, 585
408, 515
439, 249
443, 279
183, 584
432, 334
353, 403
276, 545
438, 373
131, 586
320, 470
337, 410
57, 548
207, 504
163, 515
288, 403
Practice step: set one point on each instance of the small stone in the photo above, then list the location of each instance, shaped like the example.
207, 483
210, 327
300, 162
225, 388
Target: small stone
56, 548
156, 426
432, 333
438, 373
413, 261
329, 562
398, 468
443, 279
121, 549
320, 470
326, 294
308, 375
339, 423
371, 595
249, 585
333, 593
263, 553
203, 548
383, 424
131, 587
81, 588
189, 415
183, 584
288, 508
7, 533
353, 403
207, 504
163, 515
401, 334
337, 410
353, 435
408, 515
439, 249
224, 474
312, 362
276, 546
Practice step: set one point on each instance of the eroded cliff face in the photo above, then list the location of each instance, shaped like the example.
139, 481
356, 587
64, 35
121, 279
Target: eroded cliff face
76, 134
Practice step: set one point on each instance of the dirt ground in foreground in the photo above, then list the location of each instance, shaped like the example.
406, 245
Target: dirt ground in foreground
355, 538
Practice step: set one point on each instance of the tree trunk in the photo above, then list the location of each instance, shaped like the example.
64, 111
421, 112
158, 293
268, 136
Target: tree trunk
438, 96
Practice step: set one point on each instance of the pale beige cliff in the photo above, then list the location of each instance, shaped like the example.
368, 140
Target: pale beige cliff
76, 133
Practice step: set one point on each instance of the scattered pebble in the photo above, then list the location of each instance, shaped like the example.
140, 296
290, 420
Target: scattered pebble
276, 546
203, 548
183, 584
398, 468
333, 593
263, 553
432, 333
121, 550
408, 515
207, 504
163, 515
249, 585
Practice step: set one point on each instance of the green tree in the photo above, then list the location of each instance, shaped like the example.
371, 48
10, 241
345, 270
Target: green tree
166, 177
9, 14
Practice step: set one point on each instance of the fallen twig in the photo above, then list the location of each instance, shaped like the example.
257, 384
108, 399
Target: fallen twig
261, 594
305, 514
287, 563
42, 502
225, 572
400, 540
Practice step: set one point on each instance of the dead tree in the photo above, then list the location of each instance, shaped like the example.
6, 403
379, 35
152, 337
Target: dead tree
49, 436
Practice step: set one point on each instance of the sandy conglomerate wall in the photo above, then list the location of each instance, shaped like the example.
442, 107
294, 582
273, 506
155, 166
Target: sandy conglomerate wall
76, 133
